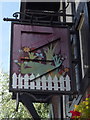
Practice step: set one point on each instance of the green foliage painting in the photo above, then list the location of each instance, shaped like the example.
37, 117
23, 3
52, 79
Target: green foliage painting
41, 61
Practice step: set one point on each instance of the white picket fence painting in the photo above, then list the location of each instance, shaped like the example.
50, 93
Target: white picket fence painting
61, 84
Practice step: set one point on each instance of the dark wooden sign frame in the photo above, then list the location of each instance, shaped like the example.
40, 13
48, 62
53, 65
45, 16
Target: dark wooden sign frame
40, 53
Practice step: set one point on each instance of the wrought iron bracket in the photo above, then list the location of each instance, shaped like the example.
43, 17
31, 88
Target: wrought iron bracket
39, 17
44, 23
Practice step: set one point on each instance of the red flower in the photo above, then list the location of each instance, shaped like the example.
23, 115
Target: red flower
75, 113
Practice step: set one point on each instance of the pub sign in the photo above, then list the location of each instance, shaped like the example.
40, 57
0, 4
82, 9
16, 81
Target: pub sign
40, 59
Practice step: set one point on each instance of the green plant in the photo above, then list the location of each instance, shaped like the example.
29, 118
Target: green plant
83, 108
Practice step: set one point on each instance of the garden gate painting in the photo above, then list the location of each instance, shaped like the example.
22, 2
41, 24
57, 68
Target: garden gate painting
40, 59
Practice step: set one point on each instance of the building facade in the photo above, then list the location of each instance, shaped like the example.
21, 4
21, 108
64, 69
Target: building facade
75, 16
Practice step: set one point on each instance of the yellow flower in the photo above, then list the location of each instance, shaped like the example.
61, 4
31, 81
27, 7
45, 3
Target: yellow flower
80, 111
78, 116
26, 49
87, 103
87, 98
87, 107
75, 106
83, 102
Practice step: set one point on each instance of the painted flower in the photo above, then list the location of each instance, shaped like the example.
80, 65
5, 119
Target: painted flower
26, 58
66, 69
26, 49
61, 72
16, 61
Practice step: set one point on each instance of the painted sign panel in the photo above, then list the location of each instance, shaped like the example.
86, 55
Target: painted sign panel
40, 59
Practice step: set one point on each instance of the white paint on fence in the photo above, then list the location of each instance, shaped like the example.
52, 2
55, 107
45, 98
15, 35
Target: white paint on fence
19, 81
14, 81
43, 83
49, 83
26, 81
55, 83
62, 83
32, 86
68, 81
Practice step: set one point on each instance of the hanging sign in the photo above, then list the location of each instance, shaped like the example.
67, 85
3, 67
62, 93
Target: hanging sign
40, 59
